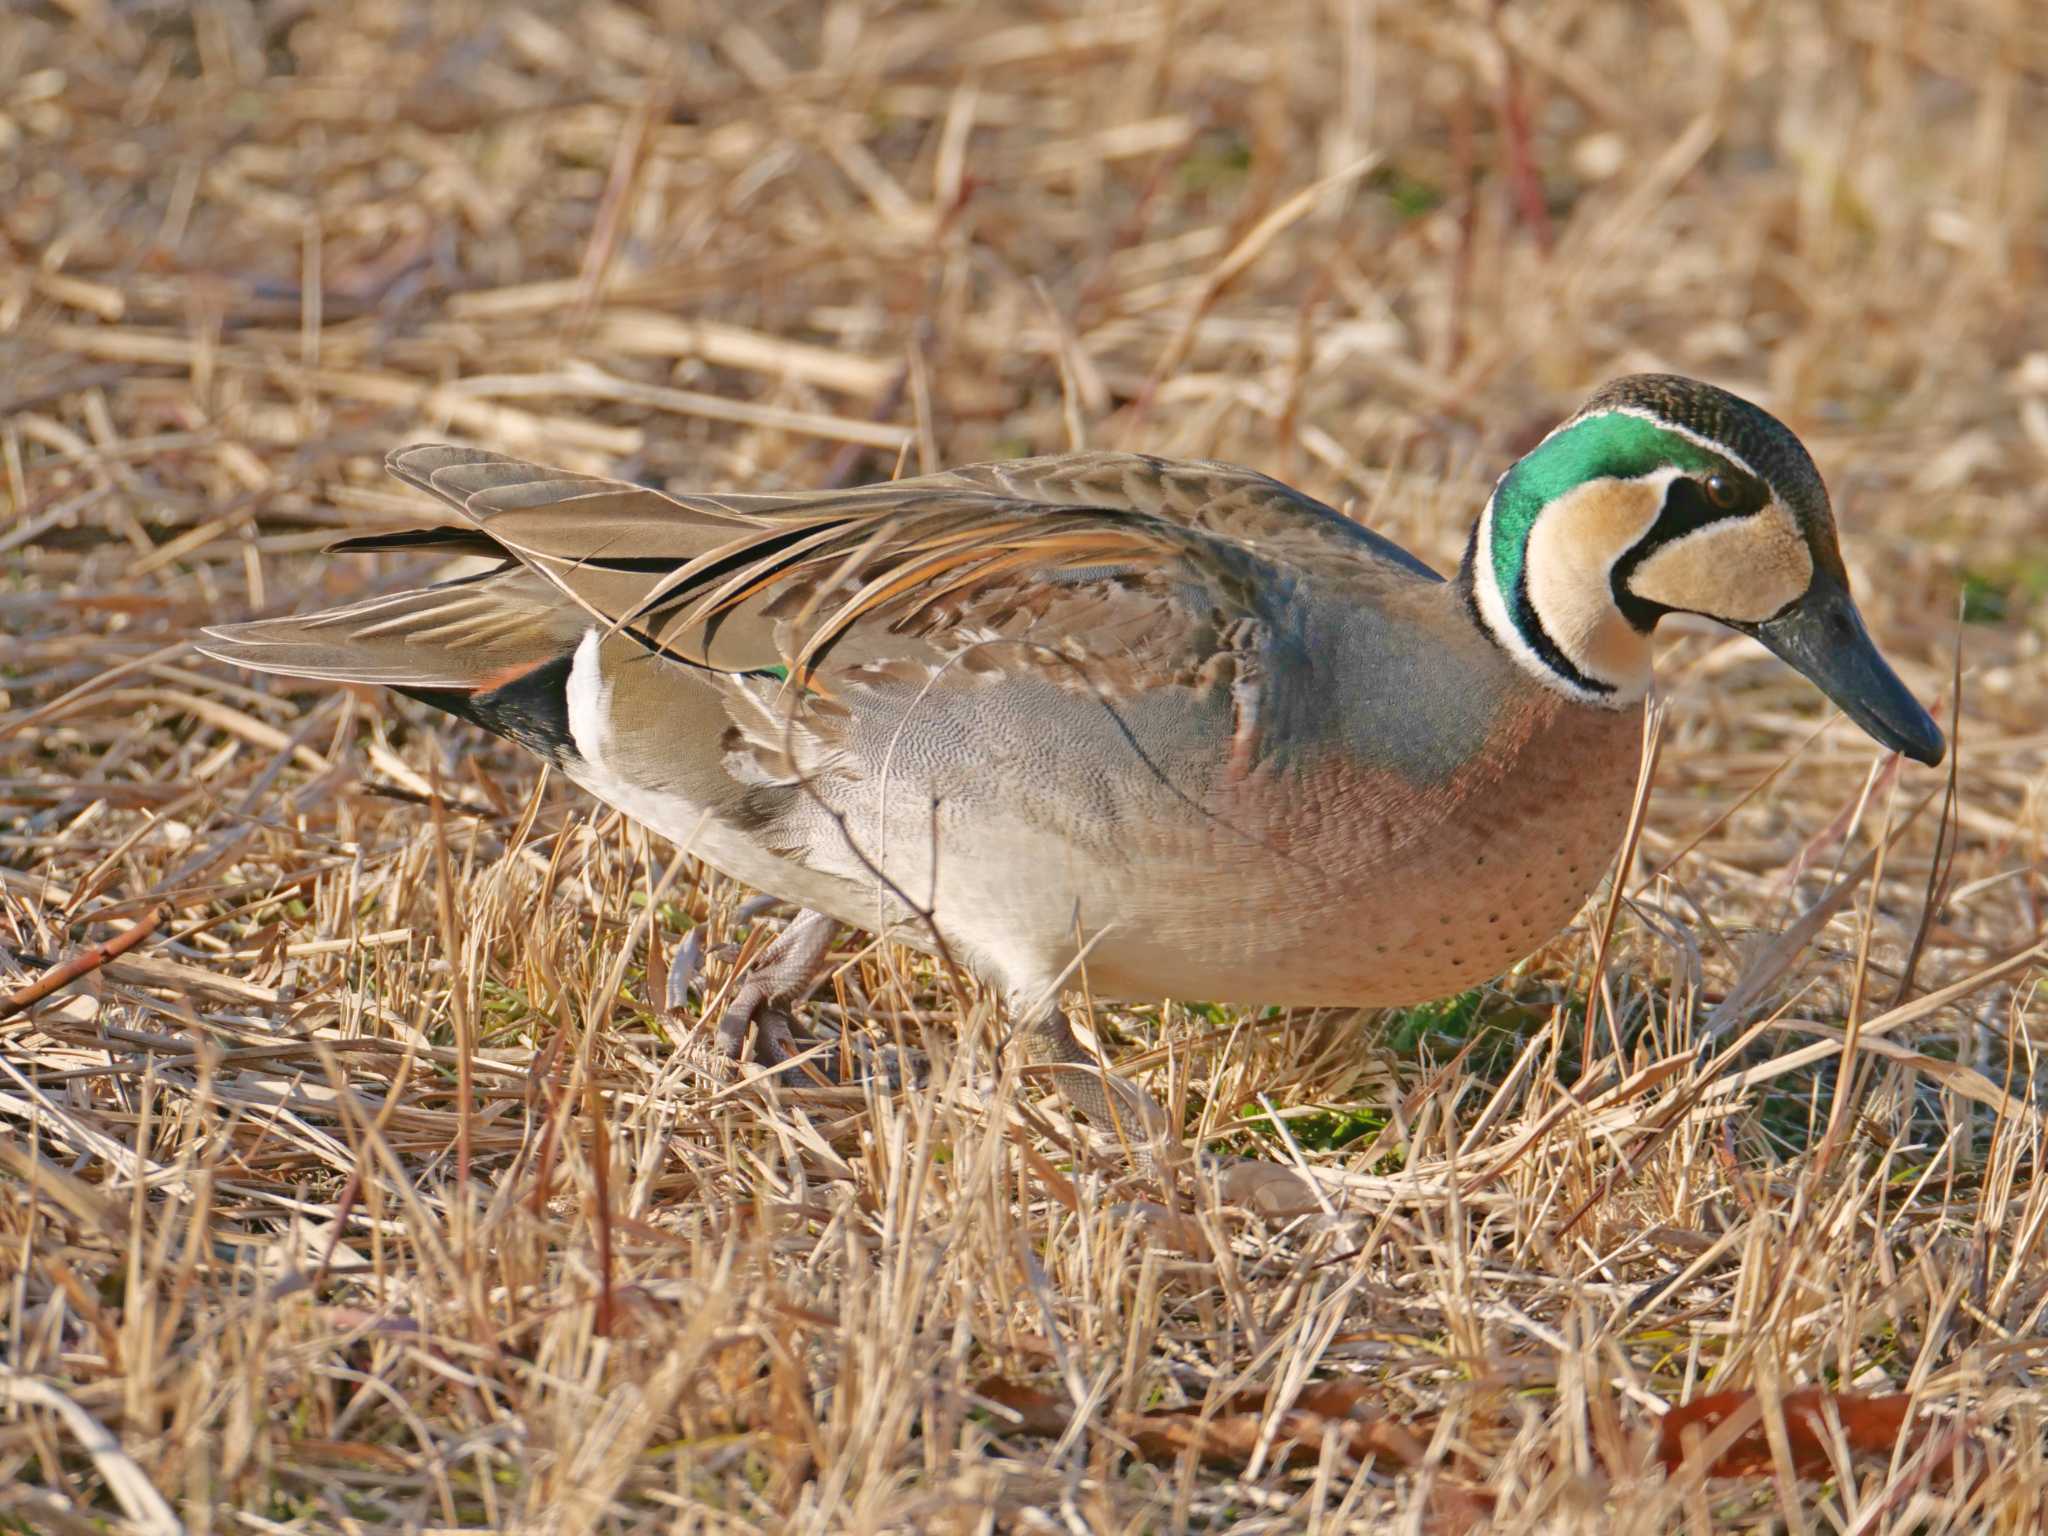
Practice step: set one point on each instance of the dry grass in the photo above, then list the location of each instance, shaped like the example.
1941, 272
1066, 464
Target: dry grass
364, 1193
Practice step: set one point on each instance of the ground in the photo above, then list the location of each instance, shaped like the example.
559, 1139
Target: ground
363, 1190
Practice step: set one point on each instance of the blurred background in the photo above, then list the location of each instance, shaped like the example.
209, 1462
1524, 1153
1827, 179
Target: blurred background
1375, 249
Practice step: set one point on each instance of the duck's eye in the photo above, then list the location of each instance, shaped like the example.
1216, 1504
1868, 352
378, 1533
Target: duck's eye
1723, 492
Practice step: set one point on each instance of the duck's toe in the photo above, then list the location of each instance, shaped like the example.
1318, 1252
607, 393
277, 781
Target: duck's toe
757, 1027
756, 1030
878, 1061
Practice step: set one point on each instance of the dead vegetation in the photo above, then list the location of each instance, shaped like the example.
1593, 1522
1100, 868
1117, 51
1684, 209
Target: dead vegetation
346, 1181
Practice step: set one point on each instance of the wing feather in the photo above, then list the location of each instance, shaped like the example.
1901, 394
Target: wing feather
785, 582
456, 636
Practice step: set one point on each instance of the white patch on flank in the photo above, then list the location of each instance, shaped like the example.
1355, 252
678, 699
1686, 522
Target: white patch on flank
588, 699
685, 823
590, 703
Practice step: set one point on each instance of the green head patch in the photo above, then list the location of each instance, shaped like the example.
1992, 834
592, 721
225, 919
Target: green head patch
1611, 444
1549, 582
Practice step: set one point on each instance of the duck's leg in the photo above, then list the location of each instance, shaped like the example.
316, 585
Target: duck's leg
1120, 1108
780, 976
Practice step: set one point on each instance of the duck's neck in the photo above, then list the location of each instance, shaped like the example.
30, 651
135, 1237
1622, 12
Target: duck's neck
1539, 579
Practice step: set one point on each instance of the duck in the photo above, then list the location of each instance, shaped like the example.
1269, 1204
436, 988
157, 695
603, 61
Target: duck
1115, 725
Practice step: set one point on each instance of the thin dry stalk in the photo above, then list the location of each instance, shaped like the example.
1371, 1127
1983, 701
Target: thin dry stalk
362, 1177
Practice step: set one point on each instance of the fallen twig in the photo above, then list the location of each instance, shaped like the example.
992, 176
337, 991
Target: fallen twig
84, 963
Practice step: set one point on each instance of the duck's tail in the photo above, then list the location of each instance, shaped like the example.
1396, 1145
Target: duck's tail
495, 648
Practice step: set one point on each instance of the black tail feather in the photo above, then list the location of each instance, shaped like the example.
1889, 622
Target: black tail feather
452, 540
532, 709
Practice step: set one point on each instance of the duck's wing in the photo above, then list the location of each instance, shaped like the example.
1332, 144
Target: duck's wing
1087, 648
1108, 558
1226, 502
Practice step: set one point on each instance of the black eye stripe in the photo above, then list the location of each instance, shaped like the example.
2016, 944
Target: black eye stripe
1686, 510
1687, 506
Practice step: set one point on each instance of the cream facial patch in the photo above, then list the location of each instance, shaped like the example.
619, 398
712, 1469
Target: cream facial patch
1745, 569
1572, 550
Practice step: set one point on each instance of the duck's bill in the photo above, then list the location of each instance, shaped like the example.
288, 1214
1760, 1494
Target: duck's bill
1822, 637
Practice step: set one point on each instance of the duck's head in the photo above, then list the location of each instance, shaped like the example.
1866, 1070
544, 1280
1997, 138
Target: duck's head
1665, 495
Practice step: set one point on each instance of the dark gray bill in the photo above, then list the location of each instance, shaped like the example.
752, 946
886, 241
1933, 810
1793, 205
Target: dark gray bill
1822, 636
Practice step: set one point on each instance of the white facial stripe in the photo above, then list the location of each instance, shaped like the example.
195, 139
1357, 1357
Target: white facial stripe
1568, 571
1743, 569
1709, 444
1493, 609
1662, 423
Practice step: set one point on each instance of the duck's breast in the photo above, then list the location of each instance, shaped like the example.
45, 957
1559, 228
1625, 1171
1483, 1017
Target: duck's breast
1415, 816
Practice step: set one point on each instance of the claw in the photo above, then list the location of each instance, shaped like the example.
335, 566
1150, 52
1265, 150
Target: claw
756, 1026
683, 971
774, 1043
893, 1066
